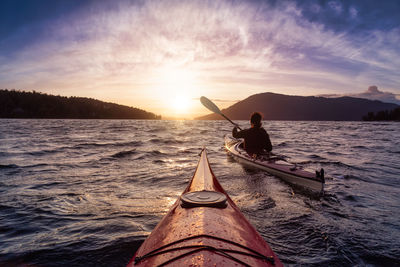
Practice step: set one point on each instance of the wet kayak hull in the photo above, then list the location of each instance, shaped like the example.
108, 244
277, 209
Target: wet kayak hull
192, 234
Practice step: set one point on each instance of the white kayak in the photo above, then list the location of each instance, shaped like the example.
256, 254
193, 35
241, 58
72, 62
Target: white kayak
276, 166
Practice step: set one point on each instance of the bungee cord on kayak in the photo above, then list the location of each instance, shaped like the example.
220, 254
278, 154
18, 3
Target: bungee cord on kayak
197, 248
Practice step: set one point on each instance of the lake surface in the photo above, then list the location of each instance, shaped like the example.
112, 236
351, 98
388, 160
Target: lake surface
88, 192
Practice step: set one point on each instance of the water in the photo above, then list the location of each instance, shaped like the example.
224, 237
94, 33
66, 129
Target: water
88, 192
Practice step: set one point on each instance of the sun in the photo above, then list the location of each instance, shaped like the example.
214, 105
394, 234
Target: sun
178, 88
181, 104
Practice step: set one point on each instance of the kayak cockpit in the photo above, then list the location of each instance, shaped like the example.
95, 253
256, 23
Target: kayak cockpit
277, 166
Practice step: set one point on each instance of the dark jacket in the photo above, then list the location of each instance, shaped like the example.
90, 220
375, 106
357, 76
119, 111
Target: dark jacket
256, 139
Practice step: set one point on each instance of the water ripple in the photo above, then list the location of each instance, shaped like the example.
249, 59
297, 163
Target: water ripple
87, 193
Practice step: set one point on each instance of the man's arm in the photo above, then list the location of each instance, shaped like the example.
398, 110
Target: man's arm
237, 134
267, 144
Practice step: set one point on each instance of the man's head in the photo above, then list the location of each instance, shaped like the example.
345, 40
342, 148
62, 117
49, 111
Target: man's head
255, 119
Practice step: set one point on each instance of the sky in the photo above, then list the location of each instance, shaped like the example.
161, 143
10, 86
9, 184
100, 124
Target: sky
162, 55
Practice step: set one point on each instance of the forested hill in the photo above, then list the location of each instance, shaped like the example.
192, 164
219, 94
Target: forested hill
286, 107
20, 104
383, 115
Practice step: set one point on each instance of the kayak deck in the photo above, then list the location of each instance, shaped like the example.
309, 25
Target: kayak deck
196, 232
287, 172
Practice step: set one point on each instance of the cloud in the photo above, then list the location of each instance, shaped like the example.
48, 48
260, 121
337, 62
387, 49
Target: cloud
336, 6
233, 47
372, 93
353, 12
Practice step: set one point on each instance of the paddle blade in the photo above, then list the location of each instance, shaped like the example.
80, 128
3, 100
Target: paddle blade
210, 105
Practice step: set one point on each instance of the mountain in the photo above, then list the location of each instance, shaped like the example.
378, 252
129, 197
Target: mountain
286, 107
20, 104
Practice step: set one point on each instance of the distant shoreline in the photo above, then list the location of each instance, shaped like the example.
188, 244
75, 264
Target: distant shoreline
281, 107
26, 105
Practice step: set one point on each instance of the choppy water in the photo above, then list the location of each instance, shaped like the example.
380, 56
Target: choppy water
88, 192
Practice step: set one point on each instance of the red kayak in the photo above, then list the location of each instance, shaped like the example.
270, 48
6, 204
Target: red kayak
204, 228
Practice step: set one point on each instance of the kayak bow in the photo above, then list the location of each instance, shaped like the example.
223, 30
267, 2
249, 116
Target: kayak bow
204, 228
275, 166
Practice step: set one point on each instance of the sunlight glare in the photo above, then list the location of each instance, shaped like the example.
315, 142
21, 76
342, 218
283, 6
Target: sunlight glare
179, 87
181, 103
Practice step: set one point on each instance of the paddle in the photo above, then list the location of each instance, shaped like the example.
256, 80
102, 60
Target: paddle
211, 106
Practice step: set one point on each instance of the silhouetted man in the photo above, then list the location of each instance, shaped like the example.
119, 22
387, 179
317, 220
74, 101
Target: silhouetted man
256, 138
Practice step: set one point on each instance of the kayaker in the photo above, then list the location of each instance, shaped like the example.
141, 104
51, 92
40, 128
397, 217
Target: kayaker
256, 138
